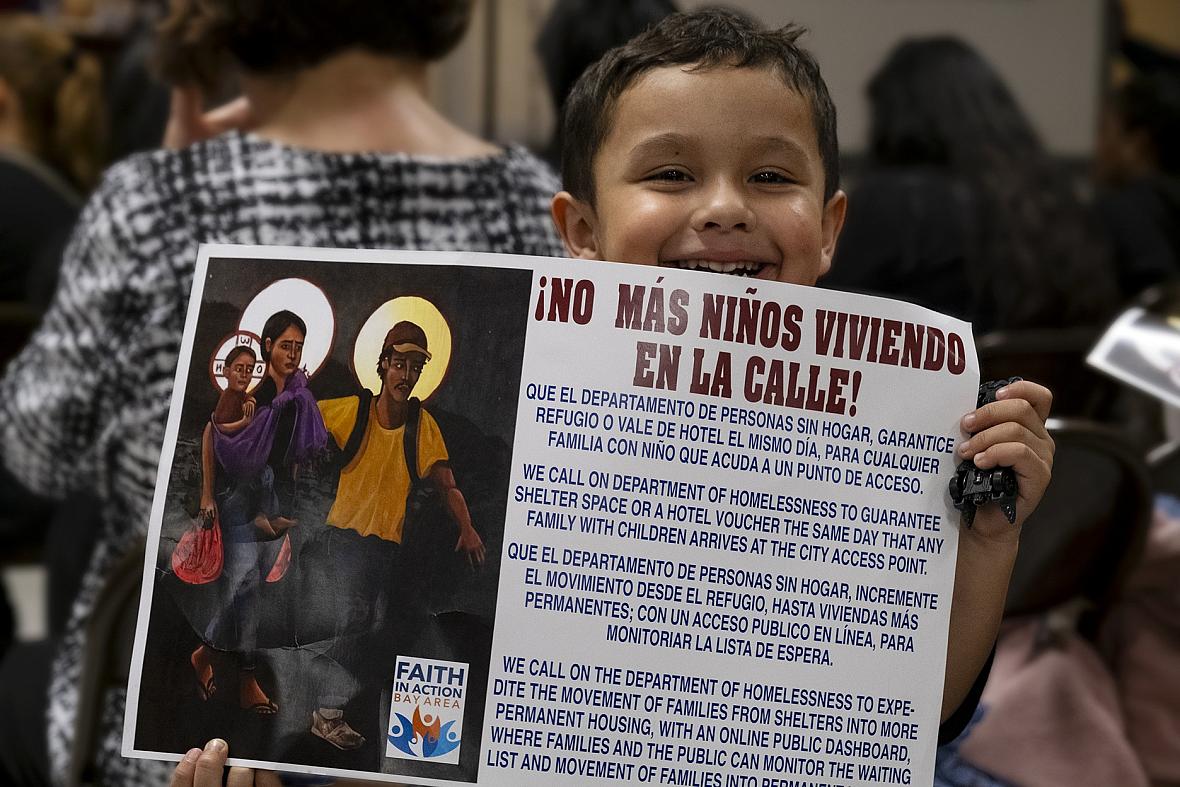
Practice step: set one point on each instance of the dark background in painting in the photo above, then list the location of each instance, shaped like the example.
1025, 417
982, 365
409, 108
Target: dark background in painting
475, 406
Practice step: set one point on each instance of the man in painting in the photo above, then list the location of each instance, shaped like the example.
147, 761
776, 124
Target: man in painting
392, 448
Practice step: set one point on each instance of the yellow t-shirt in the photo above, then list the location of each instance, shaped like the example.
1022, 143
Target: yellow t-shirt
371, 496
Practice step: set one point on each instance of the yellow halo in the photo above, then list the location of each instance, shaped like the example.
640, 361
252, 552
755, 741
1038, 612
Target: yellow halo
425, 315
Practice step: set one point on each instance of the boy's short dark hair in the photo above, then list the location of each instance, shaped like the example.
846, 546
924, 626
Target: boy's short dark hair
704, 39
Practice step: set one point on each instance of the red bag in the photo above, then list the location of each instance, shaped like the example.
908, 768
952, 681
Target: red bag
198, 555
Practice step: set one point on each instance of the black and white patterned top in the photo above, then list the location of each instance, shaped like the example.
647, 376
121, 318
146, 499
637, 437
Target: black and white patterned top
84, 405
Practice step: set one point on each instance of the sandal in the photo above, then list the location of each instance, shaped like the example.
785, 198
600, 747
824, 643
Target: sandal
206, 687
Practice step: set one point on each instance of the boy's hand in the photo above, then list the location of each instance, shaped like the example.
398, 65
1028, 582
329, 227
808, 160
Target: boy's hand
204, 769
1010, 432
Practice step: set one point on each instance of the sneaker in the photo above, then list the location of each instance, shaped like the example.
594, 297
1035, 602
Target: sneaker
332, 727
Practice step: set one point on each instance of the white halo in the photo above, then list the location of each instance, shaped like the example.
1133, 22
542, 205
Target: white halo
306, 300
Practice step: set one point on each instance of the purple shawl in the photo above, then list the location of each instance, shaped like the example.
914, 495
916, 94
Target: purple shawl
244, 454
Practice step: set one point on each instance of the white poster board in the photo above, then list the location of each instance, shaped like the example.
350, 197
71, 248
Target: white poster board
723, 551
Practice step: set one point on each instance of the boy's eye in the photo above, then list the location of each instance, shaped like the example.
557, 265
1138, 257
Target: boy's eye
769, 176
670, 176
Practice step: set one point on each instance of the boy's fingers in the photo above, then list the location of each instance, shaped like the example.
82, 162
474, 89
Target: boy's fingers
185, 769
1007, 432
1032, 471
267, 779
240, 777
1040, 397
210, 764
1020, 411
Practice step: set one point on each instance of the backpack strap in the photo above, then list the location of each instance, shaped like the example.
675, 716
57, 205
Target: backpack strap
410, 441
353, 444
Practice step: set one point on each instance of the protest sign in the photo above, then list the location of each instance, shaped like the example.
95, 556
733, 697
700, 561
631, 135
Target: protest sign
717, 542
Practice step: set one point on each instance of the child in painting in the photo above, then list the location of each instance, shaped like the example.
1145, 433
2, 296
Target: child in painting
235, 407
233, 413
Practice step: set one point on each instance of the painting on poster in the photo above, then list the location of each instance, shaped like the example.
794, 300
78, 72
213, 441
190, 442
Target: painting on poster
716, 533
289, 645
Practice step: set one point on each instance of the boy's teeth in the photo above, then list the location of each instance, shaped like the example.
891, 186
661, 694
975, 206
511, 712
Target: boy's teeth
741, 268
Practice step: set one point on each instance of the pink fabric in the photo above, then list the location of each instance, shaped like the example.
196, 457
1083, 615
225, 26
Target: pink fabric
1052, 716
1142, 641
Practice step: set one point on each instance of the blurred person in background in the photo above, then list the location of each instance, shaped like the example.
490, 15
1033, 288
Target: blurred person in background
50, 139
344, 150
51, 142
578, 32
961, 208
1137, 166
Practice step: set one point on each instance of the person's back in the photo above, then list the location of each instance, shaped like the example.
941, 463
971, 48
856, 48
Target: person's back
1138, 171
346, 151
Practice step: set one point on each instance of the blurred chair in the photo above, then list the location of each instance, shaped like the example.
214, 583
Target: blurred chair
1055, 358
106, 664
1164, 464
1088, 531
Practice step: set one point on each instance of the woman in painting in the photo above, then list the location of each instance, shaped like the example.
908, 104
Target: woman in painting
250, 454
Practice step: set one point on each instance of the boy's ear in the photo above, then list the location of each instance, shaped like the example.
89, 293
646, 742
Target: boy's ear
830, 226
577, 224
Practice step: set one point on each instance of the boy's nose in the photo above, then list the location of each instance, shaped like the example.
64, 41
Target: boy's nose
724, 207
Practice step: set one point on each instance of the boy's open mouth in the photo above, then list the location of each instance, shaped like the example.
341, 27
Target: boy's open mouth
737, 268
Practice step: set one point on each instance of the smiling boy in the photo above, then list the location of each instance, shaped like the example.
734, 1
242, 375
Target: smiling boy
707, 143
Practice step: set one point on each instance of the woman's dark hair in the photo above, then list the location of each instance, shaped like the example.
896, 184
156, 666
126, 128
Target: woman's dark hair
276, 324
1037, 260
710, 38
1150, 103
578, 32
199, 38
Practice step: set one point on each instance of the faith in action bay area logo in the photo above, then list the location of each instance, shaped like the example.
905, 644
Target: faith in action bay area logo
426, 711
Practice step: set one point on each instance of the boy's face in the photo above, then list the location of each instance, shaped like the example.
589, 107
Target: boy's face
718, 170
239, 371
